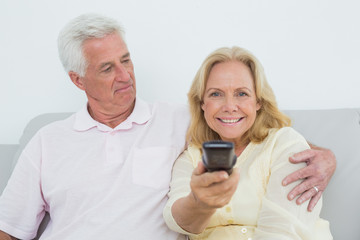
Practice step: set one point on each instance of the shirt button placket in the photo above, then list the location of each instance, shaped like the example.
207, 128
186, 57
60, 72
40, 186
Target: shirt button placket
110, 146
228, 214
245, 232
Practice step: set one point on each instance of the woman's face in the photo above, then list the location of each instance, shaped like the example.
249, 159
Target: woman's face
230, 101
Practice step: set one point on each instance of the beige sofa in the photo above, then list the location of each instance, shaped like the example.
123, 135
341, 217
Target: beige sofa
337, 129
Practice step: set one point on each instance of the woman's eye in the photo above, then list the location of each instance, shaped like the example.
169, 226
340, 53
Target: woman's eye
215, 94
241, 94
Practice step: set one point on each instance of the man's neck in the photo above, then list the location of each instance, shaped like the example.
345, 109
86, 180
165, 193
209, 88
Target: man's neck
112, 117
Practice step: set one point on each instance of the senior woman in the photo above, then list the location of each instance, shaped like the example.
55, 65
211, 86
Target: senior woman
231, 100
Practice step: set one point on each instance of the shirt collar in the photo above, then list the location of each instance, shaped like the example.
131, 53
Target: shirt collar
140, 115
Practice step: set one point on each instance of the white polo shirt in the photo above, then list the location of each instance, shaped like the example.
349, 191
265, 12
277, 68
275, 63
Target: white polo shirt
97, 182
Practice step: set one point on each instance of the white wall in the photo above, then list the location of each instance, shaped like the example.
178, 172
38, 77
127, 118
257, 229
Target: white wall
310, 50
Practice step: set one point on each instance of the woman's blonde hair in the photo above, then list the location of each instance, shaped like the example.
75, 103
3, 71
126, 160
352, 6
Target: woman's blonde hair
268, 116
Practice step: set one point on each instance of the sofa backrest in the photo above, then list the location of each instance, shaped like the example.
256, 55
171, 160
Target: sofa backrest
336, 129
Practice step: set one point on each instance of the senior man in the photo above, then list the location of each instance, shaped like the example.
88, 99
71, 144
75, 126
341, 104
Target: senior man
104, 172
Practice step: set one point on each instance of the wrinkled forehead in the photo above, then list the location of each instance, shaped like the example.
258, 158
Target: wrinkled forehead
109, 48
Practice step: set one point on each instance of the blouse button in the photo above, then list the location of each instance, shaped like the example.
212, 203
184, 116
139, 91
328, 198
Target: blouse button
244, 230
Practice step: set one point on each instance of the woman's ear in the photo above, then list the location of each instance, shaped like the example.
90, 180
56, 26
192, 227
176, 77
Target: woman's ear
202, 105
77, 80
258, 105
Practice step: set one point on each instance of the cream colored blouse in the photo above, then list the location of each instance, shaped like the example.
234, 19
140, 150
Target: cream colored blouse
259, 208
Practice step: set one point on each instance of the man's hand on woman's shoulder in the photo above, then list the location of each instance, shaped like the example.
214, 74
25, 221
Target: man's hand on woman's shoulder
321, 165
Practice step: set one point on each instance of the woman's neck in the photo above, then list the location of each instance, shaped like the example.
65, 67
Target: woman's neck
239, 148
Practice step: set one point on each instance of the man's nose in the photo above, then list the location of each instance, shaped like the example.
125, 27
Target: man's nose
122, 74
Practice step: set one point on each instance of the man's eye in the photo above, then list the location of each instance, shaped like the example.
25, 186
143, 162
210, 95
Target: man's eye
107, 69
125, 61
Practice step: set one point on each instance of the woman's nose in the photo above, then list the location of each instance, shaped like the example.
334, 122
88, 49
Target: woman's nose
230, 105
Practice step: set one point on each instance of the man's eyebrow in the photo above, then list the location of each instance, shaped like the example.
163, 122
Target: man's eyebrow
104, 64
126, 55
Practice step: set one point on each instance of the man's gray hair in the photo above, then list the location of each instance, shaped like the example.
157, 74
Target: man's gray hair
72, 36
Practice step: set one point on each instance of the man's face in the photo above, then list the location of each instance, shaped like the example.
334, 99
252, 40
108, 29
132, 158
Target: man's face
109, 81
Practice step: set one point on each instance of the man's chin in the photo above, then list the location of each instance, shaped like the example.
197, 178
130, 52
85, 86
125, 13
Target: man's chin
127, 100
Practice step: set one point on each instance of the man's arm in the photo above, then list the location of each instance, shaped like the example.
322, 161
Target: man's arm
321, 165
5, 236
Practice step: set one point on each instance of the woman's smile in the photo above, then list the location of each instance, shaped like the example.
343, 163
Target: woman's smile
230, 120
